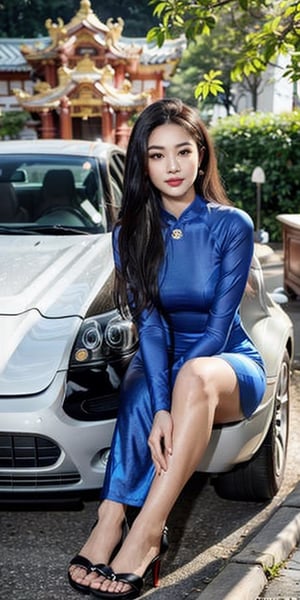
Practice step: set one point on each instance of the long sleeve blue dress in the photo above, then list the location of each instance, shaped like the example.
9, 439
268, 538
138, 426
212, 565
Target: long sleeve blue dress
208, 251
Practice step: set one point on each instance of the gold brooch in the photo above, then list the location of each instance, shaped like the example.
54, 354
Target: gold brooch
176, 234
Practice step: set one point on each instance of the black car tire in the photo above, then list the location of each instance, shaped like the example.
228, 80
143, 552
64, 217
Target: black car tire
260, 478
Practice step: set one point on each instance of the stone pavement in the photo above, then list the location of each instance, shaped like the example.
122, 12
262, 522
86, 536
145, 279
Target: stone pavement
244, 578
274, 551
287, 584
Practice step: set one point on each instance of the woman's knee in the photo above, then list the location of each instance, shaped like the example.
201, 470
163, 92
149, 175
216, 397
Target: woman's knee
197, 379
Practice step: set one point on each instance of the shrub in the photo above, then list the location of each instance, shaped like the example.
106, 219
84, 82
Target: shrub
11, 123
272, 142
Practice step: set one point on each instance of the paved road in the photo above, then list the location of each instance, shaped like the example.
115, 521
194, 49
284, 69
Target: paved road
285, 584
205, 531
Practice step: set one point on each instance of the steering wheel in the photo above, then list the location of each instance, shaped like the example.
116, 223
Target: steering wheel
63, 215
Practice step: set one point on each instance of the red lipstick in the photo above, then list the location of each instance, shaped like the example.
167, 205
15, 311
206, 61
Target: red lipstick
174, 182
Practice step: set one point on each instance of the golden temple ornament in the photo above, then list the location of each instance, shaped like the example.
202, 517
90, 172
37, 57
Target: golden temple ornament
176, 234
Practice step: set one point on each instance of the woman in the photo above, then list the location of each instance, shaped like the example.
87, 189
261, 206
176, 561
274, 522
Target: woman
182, 256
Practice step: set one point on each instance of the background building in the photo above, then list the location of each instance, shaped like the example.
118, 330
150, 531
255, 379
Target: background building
84, 80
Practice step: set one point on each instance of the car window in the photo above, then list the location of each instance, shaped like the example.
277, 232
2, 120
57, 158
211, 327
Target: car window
116, 172
47, 191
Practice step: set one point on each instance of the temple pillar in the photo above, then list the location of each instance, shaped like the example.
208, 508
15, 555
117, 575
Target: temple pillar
65, 121
107, 133
119, 76
122, 129
50, 74
47, 127
160, 87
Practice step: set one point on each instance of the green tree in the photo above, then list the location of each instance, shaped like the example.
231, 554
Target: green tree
12, 122
277, 31
215, 54
272, 141
138, 16
26, 18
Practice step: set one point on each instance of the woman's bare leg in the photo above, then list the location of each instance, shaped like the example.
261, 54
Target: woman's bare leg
206, 391
102, 541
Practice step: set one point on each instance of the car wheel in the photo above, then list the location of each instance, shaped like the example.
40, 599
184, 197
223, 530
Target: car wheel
260, 478
291, 293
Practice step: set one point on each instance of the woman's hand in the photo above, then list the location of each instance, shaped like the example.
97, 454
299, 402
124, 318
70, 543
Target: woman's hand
160, 440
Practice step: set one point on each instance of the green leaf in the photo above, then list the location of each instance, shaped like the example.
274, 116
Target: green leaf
209, 85
153, 34
158, 10
270, 28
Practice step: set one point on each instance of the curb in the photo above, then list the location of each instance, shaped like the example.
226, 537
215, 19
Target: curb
244, 576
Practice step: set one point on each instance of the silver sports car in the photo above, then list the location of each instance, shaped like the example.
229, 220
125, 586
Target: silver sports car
64, 348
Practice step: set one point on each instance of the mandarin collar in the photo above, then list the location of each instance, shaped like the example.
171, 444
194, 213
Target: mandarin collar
194, 209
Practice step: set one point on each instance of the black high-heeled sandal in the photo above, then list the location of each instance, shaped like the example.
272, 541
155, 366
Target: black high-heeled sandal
136, 583
85, 563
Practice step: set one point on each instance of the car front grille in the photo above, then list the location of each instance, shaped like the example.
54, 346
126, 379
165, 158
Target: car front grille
12, 481
27, 451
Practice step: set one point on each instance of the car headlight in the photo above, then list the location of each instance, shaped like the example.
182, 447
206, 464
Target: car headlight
92, 336
104, 338
120, 334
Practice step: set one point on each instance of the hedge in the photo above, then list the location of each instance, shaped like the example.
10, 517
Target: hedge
272, 142
11, 123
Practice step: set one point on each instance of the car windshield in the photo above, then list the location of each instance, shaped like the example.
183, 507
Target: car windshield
50, 194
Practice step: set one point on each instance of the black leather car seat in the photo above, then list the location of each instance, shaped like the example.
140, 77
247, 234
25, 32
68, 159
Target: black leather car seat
10, 211
58, 191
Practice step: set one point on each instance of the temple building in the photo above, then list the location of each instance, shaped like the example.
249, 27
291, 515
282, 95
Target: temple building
85, 80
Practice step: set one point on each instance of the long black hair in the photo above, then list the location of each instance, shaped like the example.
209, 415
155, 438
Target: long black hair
140, 239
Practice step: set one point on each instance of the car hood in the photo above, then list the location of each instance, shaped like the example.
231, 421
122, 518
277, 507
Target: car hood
57, 275
46, 287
